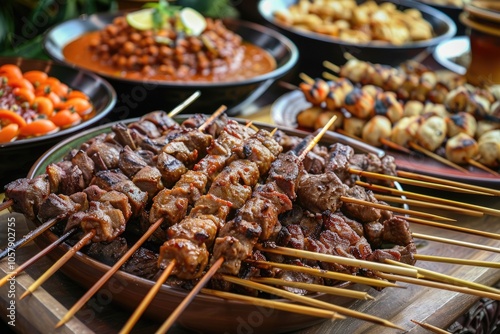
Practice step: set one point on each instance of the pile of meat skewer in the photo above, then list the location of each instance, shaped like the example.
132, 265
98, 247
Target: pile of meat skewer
221, 192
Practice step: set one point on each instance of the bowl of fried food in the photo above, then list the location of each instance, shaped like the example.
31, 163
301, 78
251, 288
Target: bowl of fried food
40, 104
157, 57
376, 31
452, 8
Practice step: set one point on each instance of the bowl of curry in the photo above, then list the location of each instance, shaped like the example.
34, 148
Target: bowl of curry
232, 62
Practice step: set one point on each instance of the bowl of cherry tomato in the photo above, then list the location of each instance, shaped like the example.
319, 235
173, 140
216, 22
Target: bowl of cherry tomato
40, 104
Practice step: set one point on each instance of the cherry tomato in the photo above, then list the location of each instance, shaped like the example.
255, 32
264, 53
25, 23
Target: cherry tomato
81, 106
21, 83
8, 133
11, 71
9, 116
65, 118
37, 127
76, 93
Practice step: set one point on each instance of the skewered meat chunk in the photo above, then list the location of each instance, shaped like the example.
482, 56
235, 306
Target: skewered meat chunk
211, 207
361, 212
170, 168
359, 103
85, 164
60, 206
432, 133
199, 230
461, 122
65, 178
461, 148
109, 180
373, 233
143, 263
338, 161
130, 162
143, 129
28, 194
169, 207
104, 154
321, 192
377, 128
123, 135
148, 179
285, 171
489, 148
161, 120
191, 258
397, 231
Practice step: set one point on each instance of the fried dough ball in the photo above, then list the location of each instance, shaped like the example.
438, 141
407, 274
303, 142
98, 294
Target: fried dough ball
405, 130
432, 133
387, 104
413, 108
461, 148
307, 117
489, 148
461, 122
359, 103
353, 126
376, 128
325, 116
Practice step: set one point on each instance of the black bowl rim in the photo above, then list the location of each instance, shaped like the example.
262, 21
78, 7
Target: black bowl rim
99, 114
435, 5
452, 29
276, 73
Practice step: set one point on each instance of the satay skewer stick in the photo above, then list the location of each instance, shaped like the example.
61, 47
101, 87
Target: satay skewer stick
452, 227
310, 301
36, 257
453, 260
423, 204
394, 146
346, 199
433, 179
410, 194
318, 137
418, 183
187, 300
482, 167
216, 114
148, 298
439, 285
329, 76
29, 236
59, 263
430, 327
79, 304
6, 204
436, 157
300, 309
456, 242
326, 274
429, 274
306, 78
314, 288
299, 253
184, 104
331, 66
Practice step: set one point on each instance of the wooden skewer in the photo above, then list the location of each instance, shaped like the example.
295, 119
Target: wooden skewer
395, 146
329, 76
184, 104
273, 132
30, 236
216, 114
273, 304
79, 304
331, 66
149, 297
346, 199
431, 328
315, 288
412, 182
337, 259
309, 301
59, 263
439, 285
436, 157
306, 78
182, 306
288, 85
429, 274
349, 56
456, 242
452, 227
443, 259
36, 257
479, 165
395, 199
6, 204
410, 194
318, 137
448, 182
327, 274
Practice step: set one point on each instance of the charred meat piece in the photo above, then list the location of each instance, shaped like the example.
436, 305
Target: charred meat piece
169, 207
199, 230
338, 161
314, 163
123, 135
361, 212
373, 233
58, 206
65, 178
130, 162
28, 194
321, 192
108, 252
212, 207
148, 179
190, 257
143, 128
170, 168
181, 152
85, 164
119, 201
285, 171
261, 149
397, 231
104, 152
143, 263
161, 120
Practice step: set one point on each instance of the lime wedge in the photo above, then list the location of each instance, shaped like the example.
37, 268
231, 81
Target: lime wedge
141, 19
193, 21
